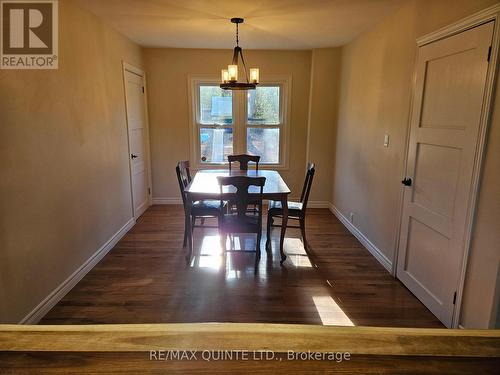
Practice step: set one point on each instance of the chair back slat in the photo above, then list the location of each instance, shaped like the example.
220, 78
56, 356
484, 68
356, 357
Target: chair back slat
183, 177
306, 189
243, 160
243, 198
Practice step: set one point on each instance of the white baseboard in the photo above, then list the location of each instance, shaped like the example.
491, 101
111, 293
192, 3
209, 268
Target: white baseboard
57, 294
318, 204
374, 250
160, 200
311, 204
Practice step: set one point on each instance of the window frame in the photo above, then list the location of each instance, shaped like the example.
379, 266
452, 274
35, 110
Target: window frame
280, 125
240, 120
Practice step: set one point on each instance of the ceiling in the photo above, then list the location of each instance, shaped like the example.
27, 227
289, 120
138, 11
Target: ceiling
269, 24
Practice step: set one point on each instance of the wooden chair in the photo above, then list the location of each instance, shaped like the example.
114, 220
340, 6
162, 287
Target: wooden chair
244, 159
240, 221
199, 209
296, 210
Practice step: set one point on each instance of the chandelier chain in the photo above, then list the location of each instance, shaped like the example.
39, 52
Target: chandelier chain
237, 36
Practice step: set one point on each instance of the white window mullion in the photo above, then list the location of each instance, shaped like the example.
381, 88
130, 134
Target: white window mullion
241, 122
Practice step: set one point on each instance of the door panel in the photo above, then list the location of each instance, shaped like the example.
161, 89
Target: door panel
448, 88
137, 134
436, 172
425, 248
448, 97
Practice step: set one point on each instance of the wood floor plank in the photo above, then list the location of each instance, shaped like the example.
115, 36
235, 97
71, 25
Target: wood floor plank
245, 347
139, 363
144, 280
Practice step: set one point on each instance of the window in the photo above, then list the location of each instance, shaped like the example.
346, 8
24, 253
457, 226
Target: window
263, 123
215, 122
231, 122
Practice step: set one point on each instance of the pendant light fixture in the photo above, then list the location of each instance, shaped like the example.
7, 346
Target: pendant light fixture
230, 75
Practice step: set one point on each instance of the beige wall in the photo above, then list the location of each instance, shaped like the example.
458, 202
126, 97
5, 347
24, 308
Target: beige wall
168, 70
65, 187
482, 280
325, 71
374, 99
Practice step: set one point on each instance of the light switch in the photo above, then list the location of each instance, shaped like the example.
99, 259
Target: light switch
386, 140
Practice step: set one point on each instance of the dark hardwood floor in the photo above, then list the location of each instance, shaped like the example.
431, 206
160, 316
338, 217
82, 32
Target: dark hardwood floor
144, 279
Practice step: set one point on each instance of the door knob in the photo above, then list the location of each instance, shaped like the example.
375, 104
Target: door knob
133, 156
406, 181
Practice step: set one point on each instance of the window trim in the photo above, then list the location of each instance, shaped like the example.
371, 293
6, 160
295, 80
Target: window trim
281, 125
240, 124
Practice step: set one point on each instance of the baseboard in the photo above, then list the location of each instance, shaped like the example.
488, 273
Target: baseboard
57, 294
311, 204
160, 200
374, 250
318, 204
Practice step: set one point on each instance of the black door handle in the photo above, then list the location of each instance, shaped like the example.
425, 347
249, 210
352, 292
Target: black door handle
406, 181
134, 156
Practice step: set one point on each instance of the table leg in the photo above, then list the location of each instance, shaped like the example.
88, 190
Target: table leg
284, 221
189, 231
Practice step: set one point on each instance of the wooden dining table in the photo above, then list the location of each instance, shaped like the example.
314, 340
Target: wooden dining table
204, 186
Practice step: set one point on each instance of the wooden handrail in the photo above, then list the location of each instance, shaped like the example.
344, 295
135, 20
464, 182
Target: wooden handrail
239, 336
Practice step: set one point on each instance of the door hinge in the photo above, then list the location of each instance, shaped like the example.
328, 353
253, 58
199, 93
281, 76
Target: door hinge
489, 54
454, 297
149, 191
143, 87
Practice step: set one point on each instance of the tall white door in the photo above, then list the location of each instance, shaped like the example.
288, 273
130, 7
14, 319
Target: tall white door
450, 86
137, 135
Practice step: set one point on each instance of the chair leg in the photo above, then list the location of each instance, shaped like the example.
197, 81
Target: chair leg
268, 233
186, 229
257, 250
190, 242
303, 231
259, 238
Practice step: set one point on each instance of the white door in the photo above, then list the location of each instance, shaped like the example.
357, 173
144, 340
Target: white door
448, 99
138, 142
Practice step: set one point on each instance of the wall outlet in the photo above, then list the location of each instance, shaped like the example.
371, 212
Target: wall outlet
351, 217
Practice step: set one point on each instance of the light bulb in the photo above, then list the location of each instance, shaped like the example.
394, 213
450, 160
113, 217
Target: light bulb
254, 75
224, 76
233, 72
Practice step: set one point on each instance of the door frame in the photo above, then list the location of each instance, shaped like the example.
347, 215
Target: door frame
489, 14
126, 67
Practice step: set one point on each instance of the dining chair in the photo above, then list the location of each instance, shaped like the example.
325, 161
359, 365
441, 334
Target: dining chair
199, 209
296, 210
240, 221
243, 160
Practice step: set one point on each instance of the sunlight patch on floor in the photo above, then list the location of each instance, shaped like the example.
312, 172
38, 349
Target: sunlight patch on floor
210, 245
210, 253
330, 313
296, 253
210, 261
300, 260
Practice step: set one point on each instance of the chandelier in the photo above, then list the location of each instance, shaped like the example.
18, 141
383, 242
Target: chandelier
230, 75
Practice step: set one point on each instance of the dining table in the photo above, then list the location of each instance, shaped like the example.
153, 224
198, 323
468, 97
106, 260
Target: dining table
205, 186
